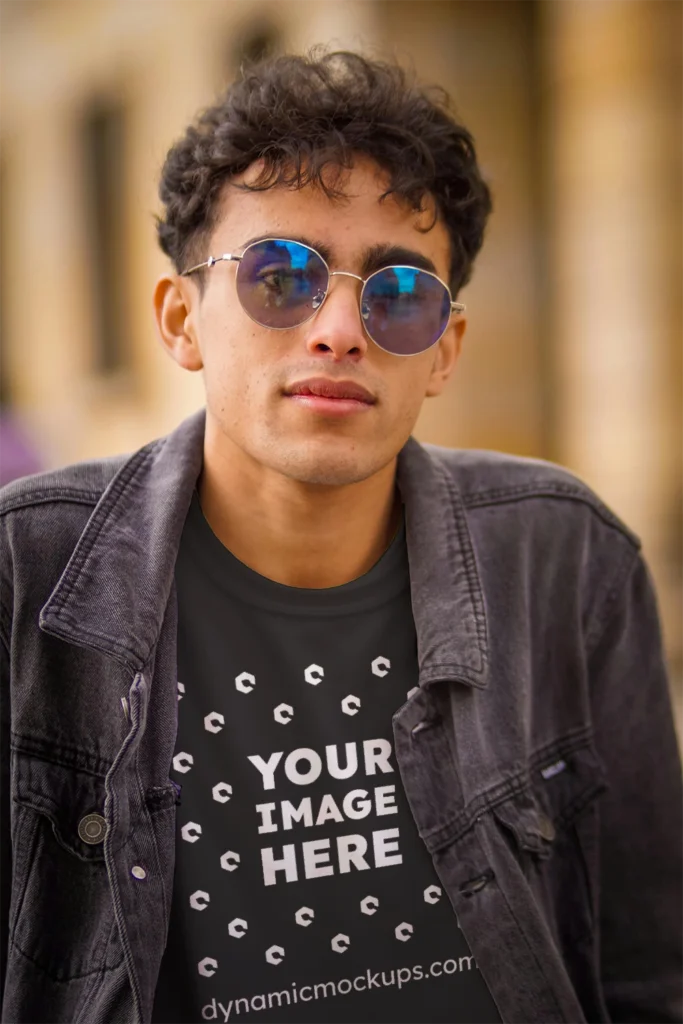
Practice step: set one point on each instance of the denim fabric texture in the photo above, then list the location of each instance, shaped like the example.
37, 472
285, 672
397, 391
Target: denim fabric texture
539, 755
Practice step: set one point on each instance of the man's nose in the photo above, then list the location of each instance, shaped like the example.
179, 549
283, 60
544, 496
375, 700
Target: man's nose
337, 326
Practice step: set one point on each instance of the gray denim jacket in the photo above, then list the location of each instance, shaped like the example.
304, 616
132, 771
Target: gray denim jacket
538, 755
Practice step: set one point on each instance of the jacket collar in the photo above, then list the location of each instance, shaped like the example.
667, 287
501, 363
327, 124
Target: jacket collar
113, 594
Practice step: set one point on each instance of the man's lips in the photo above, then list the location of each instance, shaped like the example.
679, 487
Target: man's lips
323, 387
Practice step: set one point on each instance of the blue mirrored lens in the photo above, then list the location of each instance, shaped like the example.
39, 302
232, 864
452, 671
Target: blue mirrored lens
405, 311
280, 284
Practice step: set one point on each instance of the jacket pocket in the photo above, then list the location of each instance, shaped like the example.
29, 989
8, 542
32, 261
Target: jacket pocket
552, 827
61, 917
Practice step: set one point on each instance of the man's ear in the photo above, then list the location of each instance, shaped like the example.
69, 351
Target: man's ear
445, 357
175, 309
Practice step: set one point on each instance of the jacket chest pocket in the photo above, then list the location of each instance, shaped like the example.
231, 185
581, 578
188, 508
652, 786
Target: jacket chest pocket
61, 916
552, 828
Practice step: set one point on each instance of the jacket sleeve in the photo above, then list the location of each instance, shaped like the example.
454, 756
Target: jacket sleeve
641, 836
5, 839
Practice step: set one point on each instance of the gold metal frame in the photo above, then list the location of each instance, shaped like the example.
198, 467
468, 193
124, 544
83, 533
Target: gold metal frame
456, 307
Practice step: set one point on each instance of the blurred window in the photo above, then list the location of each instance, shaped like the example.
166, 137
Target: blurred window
104, 150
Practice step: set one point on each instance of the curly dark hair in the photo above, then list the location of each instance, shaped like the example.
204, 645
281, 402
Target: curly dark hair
306, 116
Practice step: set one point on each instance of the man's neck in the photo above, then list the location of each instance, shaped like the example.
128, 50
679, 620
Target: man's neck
298, 534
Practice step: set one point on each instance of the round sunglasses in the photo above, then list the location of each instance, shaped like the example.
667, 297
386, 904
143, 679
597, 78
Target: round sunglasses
281, 284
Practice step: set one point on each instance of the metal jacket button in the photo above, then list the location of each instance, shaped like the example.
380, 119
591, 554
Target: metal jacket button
92, 829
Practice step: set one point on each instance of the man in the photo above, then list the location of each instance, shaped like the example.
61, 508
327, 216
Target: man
309, 721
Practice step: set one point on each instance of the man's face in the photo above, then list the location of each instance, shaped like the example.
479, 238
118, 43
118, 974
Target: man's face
248, 369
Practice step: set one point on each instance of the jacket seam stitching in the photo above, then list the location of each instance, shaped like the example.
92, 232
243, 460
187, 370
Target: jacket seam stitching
519, 782
13, 920
125, 477
530, 948
96, 981
111, 642
146, 811
610, 604
503, 495
112, 813
51, 974
53, 494
5, 629
470, 571
112, 648
23, 745
450, 666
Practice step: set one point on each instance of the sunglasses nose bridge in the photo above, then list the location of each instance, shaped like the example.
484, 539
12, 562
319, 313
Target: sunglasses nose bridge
343, 273
322, 295
346, 273
335, 326
356, 277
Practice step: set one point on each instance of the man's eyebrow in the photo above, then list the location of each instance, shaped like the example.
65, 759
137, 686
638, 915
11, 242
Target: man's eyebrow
374, 258
312, 243
385, 255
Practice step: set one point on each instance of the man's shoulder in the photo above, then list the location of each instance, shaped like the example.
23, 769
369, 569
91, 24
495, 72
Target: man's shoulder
43, 515
42, 518
487, 478
79, 483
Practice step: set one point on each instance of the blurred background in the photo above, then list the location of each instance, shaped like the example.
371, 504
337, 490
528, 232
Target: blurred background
573, 351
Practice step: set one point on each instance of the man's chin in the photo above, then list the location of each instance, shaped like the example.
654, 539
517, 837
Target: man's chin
327, 474
330, 465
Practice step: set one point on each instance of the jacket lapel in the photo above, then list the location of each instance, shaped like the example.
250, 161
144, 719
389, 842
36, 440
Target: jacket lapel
113, 593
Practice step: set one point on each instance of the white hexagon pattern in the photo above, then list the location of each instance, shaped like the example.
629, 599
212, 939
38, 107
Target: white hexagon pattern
369, 905
283, 713
214, 722
207, 966
182, 762
191, 832
222, 792
245, 682
199, 900
230, 860
350, 705
304, 916
432, 894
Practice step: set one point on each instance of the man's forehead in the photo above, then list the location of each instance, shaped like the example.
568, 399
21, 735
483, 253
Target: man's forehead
363, 223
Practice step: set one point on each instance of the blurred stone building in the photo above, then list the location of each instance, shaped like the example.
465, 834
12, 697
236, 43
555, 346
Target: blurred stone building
573, 351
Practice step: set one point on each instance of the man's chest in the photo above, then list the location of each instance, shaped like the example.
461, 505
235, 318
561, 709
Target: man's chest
298, 860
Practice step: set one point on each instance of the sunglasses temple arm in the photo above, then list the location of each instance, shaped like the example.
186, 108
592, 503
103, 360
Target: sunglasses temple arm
210, 263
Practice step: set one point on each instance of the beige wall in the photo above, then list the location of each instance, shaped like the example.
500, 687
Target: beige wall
615, 114
481, 55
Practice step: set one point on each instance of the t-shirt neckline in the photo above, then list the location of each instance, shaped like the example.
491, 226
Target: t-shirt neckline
387, 578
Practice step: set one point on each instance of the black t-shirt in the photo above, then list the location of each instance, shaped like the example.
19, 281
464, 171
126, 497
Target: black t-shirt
302, 890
